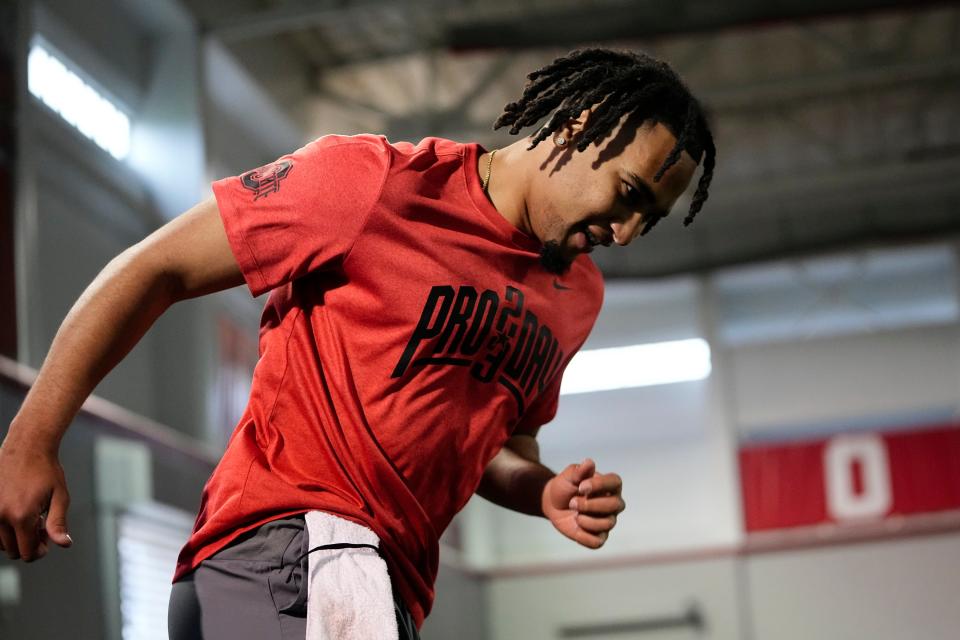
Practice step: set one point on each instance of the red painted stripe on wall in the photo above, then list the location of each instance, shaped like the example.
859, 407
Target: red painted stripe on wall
851, 478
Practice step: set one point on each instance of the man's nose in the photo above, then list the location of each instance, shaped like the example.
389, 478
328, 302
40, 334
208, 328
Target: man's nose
624, 232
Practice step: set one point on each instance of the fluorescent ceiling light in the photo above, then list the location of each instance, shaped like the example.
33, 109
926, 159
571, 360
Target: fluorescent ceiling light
638, 365
93, 115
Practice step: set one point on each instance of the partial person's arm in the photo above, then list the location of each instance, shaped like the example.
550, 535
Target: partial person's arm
580, 503
188, 257
515, 478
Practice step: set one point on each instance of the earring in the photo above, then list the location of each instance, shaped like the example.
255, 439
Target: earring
560, 140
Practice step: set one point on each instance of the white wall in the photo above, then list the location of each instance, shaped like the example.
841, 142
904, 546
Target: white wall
678, 496
882, 590
835, 384
889, 590
536, 607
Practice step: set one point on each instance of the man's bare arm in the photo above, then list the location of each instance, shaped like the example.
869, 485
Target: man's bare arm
188, 257
580, 503
515, 479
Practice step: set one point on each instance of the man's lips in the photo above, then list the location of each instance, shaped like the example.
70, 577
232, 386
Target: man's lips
586, 238
598, 235
581, 242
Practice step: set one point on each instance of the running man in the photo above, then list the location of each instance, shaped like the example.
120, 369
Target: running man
424, 301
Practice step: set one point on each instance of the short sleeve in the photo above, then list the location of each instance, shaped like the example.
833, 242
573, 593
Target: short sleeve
304, 211
543, 409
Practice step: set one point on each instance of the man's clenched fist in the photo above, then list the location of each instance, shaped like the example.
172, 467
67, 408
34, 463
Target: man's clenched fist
33, 502
582, 504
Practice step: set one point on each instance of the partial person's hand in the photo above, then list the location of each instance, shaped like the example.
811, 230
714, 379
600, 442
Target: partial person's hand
33, 502
582, 504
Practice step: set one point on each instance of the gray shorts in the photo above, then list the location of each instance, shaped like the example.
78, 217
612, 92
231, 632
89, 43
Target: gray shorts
253, 589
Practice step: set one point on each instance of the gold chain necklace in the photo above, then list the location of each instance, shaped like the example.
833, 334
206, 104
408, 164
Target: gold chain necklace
489, 164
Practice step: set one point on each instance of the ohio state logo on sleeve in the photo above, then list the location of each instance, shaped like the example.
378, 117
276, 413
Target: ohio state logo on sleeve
266, 179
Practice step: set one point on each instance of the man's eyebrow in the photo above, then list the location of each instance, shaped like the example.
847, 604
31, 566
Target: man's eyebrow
646, 191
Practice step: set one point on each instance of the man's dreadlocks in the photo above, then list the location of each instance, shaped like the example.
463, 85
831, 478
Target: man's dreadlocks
622, 81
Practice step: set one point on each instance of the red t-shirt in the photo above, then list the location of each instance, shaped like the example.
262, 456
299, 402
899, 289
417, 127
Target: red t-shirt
409, 330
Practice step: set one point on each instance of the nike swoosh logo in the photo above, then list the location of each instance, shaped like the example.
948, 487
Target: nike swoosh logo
557, 285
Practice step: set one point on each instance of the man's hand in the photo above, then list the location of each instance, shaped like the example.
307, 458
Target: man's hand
582, 504
32, 484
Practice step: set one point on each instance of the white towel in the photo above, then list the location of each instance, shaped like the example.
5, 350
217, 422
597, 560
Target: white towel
349, 596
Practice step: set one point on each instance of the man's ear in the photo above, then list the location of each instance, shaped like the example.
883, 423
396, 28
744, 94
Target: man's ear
573, 126
576, 125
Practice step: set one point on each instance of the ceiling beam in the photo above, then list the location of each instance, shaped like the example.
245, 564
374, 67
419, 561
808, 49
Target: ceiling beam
826, 86
586, 24
504, 23
291, 17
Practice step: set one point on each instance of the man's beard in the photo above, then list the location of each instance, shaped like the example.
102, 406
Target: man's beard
552, 258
